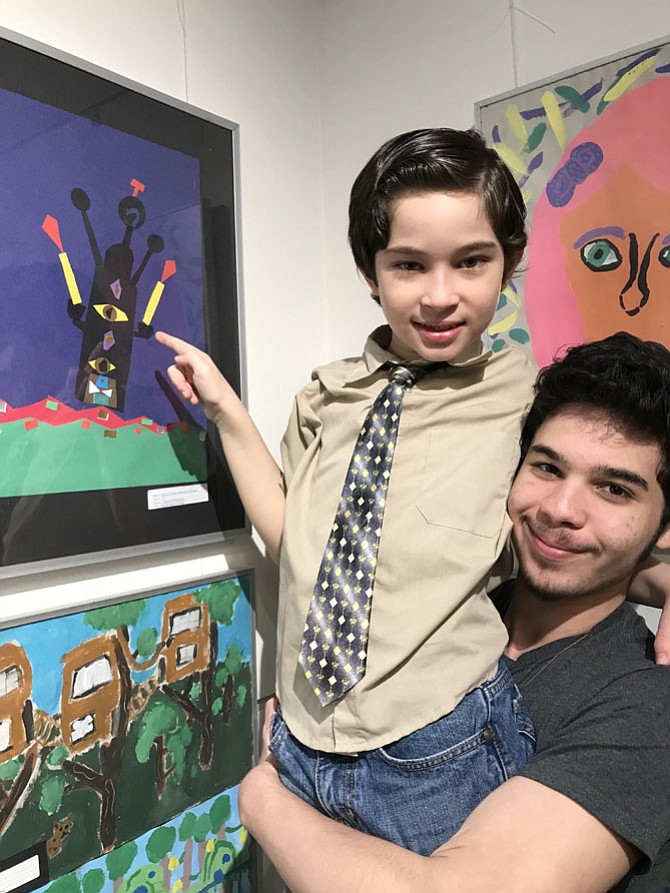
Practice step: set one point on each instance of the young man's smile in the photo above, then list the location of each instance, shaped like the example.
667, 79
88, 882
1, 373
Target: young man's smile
586, 506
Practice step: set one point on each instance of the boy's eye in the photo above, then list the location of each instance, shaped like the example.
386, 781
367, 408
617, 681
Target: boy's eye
408, 266
471, 263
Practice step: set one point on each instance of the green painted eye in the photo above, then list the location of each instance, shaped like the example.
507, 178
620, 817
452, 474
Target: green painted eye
600, 255
664, 256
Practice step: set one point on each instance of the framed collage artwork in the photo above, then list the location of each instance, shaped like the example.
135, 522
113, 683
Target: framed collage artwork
118, 219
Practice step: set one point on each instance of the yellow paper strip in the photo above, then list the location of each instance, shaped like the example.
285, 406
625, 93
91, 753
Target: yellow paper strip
153, 303
70, 281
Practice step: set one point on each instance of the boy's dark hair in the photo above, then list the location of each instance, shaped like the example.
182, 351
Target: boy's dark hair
438, 159
625, 378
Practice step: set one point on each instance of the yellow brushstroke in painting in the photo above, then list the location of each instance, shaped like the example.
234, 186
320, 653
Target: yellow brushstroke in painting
627, 80
516, 123
518, 127
514, 161
555, 118
506, 323
511, 159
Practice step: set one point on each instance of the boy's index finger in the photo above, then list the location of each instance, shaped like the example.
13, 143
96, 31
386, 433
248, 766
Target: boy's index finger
171, 341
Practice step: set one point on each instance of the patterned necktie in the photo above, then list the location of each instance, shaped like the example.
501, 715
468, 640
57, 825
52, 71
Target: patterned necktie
334, 645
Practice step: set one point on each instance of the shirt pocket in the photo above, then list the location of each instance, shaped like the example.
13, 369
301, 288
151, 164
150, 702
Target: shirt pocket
467, 476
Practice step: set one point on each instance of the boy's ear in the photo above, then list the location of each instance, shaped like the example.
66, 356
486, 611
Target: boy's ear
663, 542
371, 284
514, 262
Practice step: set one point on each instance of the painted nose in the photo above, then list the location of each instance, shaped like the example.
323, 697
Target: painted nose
635, 293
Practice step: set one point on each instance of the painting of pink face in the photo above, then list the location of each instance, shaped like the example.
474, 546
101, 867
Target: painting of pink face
617, 257
599, 245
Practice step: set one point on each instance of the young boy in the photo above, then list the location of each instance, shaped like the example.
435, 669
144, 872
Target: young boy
433, 720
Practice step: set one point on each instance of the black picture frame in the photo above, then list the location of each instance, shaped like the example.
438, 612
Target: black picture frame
51, 526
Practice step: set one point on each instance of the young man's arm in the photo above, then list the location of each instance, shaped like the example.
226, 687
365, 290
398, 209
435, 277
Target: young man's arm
523, 837
256, 474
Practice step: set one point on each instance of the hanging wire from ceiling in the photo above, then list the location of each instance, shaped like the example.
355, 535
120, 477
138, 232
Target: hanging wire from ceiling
513, 9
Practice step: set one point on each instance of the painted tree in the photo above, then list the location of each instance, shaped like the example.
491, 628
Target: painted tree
104, 782
186, 830
68, 883
158, 848
118, 862
201, 830
219, 815
232, 695
93, 881
197, 699
163, 733
20, 756
221, 853
16, 778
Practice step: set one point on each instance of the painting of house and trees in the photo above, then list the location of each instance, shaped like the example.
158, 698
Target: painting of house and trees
115, 720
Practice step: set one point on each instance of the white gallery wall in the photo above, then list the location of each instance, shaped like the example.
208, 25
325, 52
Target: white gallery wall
315, 86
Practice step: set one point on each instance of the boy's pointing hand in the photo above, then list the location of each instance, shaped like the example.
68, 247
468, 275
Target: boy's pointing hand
197, 378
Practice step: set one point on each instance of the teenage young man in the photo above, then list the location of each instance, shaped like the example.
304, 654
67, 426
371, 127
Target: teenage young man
589, 812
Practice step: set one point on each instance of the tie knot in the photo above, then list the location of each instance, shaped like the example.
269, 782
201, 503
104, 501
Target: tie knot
409, 375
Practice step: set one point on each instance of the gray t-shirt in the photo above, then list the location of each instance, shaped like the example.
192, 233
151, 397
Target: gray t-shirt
601, 709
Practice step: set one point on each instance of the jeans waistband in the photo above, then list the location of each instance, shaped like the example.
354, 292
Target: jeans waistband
494, 686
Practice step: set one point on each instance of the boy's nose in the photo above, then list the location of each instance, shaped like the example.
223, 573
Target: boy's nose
440, 292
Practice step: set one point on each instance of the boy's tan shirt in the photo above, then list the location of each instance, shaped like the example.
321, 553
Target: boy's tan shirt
434, 634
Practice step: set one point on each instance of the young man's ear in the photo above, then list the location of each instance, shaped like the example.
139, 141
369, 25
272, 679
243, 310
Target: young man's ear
663, 542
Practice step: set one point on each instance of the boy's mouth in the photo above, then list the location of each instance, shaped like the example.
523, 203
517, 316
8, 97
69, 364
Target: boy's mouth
438, 327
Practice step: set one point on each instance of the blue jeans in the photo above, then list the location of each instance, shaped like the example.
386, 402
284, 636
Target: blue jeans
417, 791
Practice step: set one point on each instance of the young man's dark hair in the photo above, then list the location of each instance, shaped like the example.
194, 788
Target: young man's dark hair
625, 377
436, 159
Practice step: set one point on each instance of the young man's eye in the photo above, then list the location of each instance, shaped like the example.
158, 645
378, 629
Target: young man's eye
616, 491
408, 266
546, 468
